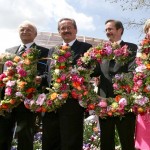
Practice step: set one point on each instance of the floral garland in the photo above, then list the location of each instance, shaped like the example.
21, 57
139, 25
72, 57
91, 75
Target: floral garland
141, 79
60, 66
132, 89
18, 79
86, 65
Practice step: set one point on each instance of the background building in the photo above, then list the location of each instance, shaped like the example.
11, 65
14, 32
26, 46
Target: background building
47, 39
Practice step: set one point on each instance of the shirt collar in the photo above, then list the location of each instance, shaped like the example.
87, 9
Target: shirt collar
27, 45
70, 43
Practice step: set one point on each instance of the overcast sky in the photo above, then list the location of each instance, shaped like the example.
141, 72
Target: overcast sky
90, 16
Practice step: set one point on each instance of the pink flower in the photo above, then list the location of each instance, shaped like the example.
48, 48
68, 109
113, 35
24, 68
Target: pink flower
64, 87
40, 99
140, 68
115, 86
123, 102
67, 54
21, 72
9, 63
49, 102
10, 83
8, 91
108, 50
117, 52
61, 59
138, 61
102, 103
139, 83
63, 77
2, 76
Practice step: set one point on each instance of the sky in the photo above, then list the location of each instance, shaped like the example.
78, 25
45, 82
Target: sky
90, 16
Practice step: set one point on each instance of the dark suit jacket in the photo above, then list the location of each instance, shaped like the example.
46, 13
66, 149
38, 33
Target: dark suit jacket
108, 69
41, 67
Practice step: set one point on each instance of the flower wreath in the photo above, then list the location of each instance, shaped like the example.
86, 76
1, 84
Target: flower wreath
60, 67
132, 89
86, 65
18, 79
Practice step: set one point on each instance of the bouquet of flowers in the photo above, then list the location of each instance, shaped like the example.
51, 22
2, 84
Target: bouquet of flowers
18, 79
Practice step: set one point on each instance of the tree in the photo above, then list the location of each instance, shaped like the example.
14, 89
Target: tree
133, 5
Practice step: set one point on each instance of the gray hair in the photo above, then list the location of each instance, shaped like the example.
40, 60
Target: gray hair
146, 26
26, 22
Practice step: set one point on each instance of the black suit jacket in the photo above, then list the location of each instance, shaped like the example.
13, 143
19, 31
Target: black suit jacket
108, 69
41, 68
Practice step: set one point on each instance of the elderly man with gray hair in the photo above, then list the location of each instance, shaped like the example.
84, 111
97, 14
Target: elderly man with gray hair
22, 119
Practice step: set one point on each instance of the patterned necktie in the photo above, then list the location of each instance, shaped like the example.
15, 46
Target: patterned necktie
21, 51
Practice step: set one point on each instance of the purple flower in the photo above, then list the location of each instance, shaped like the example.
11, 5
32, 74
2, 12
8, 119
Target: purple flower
40, 99
108, 50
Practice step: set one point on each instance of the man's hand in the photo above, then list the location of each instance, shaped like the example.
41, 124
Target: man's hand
38, 80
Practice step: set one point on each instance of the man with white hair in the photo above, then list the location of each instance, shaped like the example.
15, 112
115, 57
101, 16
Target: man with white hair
23, 117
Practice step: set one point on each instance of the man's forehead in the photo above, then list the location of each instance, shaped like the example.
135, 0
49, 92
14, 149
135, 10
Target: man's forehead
66, 22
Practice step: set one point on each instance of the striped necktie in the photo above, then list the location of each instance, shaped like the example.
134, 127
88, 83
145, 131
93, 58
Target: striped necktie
22, 49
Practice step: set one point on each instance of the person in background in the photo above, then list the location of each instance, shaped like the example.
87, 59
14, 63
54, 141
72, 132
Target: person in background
126, 125
63, 129
23, 117
142, 134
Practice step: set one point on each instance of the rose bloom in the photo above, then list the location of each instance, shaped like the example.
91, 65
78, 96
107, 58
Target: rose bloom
22, 72
9, 63
2, 76
115, 86
139, 83
64, 87
8, 91
61, 59
102, 103
67, 54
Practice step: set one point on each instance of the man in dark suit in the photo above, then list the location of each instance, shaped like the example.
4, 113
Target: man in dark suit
125, 126
63, 129
21, 116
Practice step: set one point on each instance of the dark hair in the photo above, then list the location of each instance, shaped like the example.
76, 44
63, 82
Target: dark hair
72, 20
118, 24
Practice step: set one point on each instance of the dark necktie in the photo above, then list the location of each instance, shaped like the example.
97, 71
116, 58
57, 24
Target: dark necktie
66, 44
21, 51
